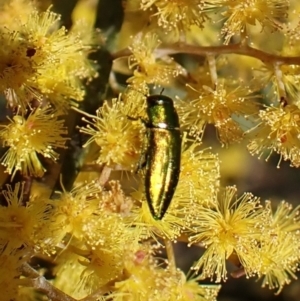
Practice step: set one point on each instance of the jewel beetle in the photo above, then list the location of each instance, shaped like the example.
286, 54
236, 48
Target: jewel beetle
162, 154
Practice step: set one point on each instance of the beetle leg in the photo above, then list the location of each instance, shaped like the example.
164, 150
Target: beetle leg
133, 118
144, 121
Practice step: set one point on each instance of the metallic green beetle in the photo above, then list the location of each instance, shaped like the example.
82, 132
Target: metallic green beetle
163, 153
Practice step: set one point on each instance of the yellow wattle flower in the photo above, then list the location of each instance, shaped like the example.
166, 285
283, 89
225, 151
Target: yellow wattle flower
277, 255
20, 223
39, 134
177, 15
149, 65
41, 61
10, 10
279, 131
119, 138
218, 106
240, 14
11, 261
231, 226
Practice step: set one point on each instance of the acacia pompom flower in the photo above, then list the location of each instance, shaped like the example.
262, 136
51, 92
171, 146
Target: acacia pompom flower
10, 10
200, 171
279, 131
197, 186
109, 243
60, 57
277, 256
177, 15
21, 223
100, 238
28, 137
268, 13
218, 107
146, 280
40, 60
285, 219
16, 69
282, 79
149, 65
68, 271
10, 272
73, 208
231, 227
119, 138
277, 260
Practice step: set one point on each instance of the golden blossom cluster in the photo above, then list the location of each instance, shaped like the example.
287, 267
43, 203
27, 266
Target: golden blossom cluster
41, 60
26, 138
149, 65
73, 200
217, 106
278, 131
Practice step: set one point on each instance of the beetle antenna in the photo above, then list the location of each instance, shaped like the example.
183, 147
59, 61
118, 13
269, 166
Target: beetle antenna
162, 90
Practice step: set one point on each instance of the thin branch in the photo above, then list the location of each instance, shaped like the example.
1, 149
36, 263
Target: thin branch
212, 69
279, 80
238, 273
98, 293
217, 50
170, 255
54, 294
41, 284
105, 174
91, 167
